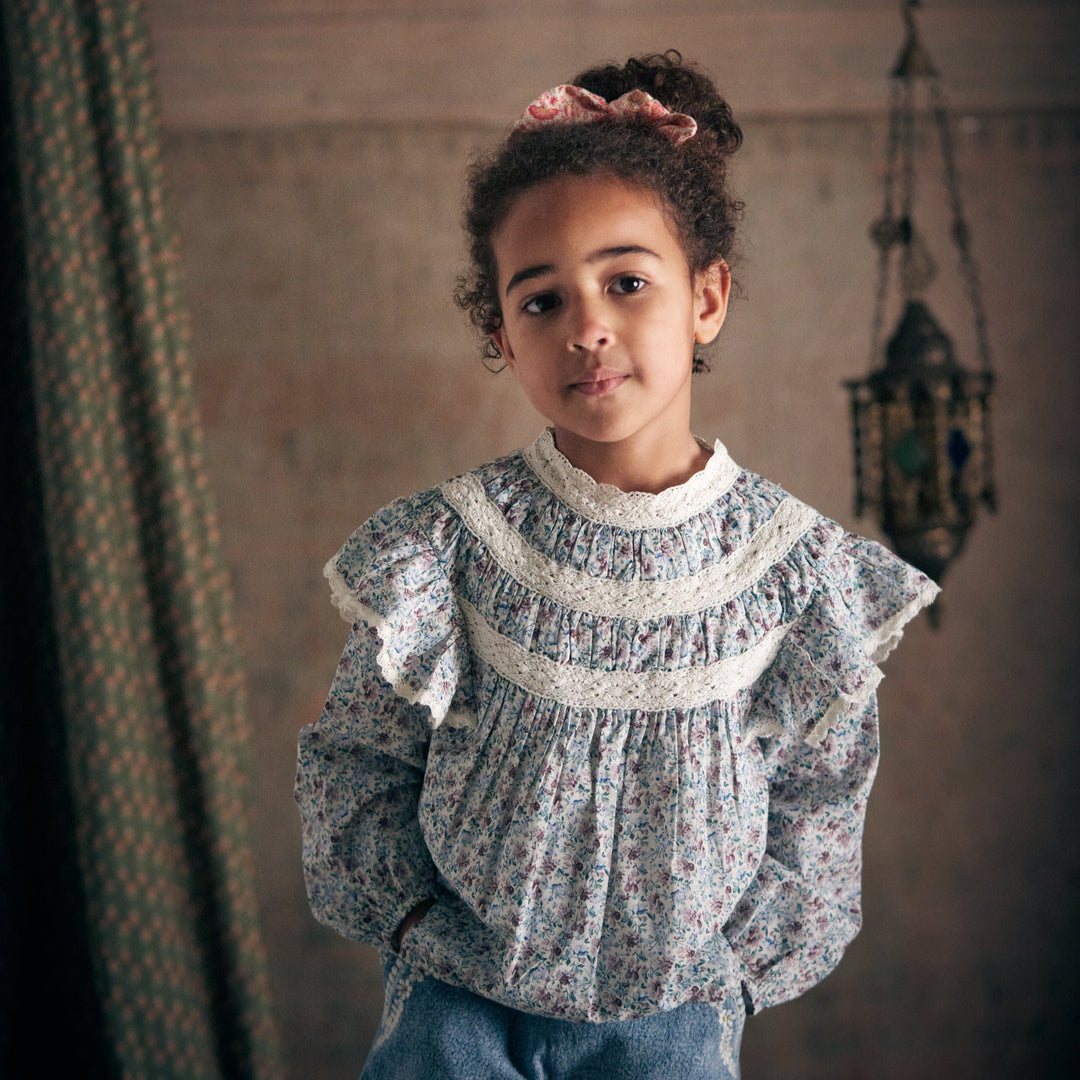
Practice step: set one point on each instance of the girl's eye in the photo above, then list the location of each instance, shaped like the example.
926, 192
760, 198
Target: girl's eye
629, 283
538, 305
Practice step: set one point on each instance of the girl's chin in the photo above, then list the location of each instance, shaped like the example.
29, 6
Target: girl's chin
592, 434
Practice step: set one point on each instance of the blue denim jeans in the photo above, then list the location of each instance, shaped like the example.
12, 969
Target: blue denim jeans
433, 1031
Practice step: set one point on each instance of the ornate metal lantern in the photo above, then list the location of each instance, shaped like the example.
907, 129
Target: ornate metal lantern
921, 422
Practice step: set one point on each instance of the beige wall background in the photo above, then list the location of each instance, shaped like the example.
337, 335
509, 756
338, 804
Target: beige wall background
315, 152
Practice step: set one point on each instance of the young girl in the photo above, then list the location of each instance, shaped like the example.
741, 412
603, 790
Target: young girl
593, 770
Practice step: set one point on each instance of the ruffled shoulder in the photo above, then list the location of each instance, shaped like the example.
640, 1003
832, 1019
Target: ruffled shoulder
863, 597
393, 574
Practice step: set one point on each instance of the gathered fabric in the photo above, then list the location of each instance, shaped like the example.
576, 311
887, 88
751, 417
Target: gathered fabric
624, 740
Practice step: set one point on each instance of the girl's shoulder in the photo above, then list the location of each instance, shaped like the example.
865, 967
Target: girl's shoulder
851, 598
407, 545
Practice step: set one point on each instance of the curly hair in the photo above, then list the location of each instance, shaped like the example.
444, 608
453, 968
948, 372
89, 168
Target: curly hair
690, 178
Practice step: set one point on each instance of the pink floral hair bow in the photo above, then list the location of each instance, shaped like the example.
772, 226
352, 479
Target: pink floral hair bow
575, 105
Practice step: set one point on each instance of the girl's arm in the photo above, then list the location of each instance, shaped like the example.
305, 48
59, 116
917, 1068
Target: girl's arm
360, 770
803, 907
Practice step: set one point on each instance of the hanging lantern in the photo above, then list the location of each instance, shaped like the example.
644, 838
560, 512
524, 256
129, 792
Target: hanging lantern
921, 422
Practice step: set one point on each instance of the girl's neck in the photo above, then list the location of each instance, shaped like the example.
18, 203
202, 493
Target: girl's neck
635, 464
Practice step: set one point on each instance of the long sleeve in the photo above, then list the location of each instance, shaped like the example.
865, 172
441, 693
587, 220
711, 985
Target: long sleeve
361, 767
816, 716
360, 770
803, 908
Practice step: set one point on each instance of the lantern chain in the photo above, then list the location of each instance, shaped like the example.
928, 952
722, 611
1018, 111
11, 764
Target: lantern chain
885, 231
960, 232
907, 183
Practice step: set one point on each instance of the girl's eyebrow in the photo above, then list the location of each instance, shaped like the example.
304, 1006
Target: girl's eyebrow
531, 272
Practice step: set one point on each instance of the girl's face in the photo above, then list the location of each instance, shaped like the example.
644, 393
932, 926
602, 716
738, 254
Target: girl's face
601, 312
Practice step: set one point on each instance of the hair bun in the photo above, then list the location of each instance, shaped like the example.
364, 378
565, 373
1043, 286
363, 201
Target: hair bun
675, 82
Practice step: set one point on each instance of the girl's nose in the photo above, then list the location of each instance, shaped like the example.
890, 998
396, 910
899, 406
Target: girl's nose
589, 329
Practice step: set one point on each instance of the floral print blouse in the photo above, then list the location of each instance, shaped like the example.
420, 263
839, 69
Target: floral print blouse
625, 740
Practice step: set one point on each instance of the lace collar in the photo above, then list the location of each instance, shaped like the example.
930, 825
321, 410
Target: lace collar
630, 509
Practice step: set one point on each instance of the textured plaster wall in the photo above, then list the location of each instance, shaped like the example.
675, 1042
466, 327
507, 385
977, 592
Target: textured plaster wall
334, 374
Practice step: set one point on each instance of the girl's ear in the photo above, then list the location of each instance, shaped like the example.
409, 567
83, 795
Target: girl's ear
503, 345
712, 287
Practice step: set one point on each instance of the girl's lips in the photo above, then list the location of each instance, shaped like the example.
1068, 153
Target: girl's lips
602, 382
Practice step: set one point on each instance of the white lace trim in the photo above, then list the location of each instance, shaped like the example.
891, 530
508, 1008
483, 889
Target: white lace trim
610, 505
588, 688
630, 599
888, 634
876, 648
354, 610
349, 607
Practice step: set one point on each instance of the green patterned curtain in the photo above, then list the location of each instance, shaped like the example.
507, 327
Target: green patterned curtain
129, 944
